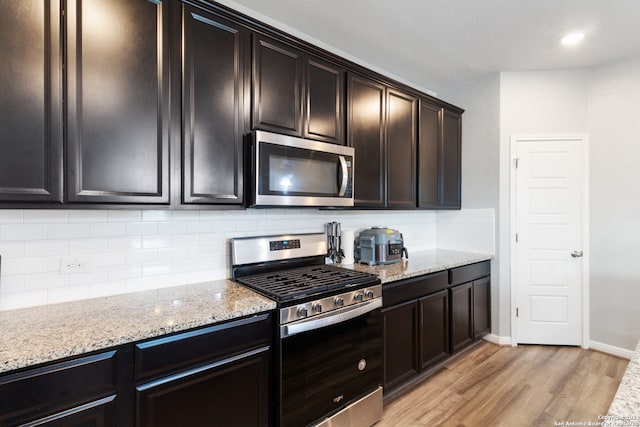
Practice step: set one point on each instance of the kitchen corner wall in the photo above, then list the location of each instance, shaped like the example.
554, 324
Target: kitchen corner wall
134, 250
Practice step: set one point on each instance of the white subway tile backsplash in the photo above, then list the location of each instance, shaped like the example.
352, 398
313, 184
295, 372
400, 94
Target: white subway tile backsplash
142, 228
87, 216
108, 229
17, 300
88, 246
27, 265
69, 293
46, 247
156, 216
45, 281
68, 231
23, 232
11, 216
10, 284
12, 249
124, 272
131, 250
46, 217
124, 216
142, 256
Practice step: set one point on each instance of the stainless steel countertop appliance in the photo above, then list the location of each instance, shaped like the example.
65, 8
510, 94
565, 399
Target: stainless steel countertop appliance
380, 245
329, 349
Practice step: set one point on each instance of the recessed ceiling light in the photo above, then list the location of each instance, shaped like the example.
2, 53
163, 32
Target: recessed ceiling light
572, 38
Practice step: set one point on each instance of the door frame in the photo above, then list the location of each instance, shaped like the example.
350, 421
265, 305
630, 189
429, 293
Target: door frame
584, 139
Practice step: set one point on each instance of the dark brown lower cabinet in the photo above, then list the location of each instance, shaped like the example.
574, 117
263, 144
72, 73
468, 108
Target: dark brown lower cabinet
461, 316
400, 342
79, 392
434, 328
232, 392
481, 307
429, 318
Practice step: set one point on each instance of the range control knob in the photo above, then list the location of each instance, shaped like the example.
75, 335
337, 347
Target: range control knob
368, 294
302, 312
316, 307
359, 296
338, 301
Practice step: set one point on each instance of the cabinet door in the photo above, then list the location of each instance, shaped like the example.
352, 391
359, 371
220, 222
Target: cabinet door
434, 328
481, 307
58, 393
451, 159
214, 65
324, 115
366, 107
101, 413
233, 392
117, 87
461, 316
277, 87
401, 150
400, 343
429, 156
30, 101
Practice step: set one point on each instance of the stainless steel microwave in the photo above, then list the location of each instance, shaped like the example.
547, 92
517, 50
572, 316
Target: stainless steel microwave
290, 171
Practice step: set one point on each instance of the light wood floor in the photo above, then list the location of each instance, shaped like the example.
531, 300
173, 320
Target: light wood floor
512, 386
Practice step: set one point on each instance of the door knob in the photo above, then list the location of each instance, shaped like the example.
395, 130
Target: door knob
576, 254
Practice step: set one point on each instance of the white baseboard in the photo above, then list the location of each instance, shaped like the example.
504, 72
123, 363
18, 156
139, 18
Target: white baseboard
611, 349
497, 339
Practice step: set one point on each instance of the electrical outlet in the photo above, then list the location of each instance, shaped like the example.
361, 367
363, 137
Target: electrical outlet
74, 265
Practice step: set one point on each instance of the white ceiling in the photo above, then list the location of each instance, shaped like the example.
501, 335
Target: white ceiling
438, 45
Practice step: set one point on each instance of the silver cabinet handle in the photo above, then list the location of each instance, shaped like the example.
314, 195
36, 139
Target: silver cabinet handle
576, 254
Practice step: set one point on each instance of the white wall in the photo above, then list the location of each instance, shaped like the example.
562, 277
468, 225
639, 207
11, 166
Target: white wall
614, 128
480, 181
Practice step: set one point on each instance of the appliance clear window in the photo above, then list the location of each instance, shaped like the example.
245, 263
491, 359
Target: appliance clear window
291, 175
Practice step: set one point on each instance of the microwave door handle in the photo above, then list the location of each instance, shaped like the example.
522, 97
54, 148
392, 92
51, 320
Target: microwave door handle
345, 175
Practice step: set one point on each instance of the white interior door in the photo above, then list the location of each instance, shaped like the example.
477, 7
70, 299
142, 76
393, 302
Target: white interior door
549, 240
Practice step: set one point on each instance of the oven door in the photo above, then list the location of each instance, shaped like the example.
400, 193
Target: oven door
299, 172
325, 369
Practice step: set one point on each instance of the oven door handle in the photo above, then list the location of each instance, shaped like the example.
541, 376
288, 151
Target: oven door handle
331, 318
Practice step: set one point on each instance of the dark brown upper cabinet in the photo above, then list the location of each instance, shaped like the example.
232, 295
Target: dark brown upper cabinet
295, 93
366, 109
215, 64
401, 150
30, 101
451, 159
277, 87
382, 126
324, 107
439, 157
118, 101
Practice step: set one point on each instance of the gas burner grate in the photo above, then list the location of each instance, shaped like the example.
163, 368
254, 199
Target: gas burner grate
284, 285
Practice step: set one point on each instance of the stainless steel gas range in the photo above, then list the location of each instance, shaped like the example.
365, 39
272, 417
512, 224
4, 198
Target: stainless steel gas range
329, 357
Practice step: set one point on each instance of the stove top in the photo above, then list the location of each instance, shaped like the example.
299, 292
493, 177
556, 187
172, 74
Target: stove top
309, 281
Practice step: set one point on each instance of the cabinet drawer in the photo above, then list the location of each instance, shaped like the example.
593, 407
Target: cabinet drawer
469, 272
189, 349
405, 290
42, 391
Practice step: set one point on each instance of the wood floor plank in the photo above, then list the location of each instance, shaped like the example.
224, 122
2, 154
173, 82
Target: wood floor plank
526, 385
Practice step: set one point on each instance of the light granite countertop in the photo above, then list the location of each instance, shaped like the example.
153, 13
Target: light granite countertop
625, 407
43, 334
419, 263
